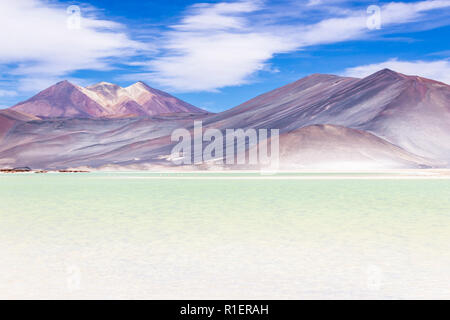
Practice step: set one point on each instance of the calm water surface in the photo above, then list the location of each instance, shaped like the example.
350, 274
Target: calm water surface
141, 235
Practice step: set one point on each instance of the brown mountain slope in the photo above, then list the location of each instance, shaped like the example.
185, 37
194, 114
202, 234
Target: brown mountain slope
335, 147
9, 118
154, 101
61, 100
116, 100
408, 111
103, 100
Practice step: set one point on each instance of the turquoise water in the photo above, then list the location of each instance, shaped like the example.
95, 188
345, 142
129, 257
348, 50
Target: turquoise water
141, 235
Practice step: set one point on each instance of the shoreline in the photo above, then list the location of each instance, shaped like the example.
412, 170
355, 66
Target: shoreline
15, 171
401, 174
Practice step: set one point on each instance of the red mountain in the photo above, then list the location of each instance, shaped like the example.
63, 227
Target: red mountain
103, 100
61, 100
408, 111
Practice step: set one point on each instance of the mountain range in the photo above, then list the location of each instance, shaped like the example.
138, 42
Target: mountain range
386, 120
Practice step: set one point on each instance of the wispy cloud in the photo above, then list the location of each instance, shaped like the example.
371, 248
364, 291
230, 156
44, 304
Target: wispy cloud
7, 93
37, 44
226, 44
436, 70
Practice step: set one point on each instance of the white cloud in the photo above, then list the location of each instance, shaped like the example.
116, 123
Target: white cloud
437, 70
36, 40
7, 93
216, 60
36, 83
213, 45
225, 44
314, 2
220, 16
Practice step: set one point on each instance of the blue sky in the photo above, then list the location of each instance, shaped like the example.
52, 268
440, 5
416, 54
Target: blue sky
215, 54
